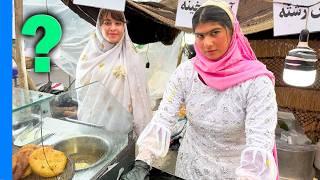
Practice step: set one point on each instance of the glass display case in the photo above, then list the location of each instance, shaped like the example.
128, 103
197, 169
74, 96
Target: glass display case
91, 128
27, 109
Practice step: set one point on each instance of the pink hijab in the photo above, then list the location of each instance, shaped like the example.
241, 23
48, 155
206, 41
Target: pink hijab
237, 65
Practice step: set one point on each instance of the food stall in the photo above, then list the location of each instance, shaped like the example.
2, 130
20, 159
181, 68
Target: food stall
52, 123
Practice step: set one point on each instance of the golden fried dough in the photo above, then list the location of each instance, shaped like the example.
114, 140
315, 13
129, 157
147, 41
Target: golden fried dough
27, 172
14, 163
47, 162
20, 161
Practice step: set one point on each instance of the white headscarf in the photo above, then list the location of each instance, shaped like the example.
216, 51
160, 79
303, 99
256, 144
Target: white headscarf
121, 71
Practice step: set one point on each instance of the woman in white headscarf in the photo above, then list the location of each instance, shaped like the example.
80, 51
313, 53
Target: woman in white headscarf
110, 58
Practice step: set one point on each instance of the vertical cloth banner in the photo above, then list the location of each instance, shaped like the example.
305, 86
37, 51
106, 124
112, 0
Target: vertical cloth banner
186, 9
117, 5
291, 16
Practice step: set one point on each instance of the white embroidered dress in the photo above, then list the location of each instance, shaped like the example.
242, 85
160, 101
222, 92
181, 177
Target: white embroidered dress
222, 125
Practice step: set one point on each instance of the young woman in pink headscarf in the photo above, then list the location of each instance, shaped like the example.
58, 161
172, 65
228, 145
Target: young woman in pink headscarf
230, 107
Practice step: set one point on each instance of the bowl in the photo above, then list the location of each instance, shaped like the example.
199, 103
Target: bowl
85, 151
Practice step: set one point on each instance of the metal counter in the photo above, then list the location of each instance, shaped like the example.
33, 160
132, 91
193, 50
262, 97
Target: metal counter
64, 129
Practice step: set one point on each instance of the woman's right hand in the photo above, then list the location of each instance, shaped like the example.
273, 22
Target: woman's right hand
140, 171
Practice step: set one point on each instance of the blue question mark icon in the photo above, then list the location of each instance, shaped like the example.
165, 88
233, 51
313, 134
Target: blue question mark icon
52, 36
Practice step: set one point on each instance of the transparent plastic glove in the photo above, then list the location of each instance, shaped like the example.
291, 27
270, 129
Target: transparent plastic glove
140, 171
257, 164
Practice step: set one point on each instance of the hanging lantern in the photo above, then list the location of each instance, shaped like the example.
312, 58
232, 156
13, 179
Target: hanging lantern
300, 63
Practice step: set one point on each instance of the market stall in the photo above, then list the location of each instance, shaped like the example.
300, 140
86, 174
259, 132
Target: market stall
54, 116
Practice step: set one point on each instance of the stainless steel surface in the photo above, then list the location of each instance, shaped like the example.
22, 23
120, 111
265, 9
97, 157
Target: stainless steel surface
31, 122
20, 127
81, 122
38, 141
31, 135
65, 130
85, 151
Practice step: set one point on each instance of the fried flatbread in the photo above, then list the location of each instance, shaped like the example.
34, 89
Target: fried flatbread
47, 162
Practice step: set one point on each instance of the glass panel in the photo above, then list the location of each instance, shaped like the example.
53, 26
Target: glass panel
22, 98
28, 107
92, 104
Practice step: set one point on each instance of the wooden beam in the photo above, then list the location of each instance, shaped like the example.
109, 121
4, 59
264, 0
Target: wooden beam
266, 47
19, 45
299, 99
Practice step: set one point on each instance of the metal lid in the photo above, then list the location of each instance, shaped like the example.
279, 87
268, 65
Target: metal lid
282, 145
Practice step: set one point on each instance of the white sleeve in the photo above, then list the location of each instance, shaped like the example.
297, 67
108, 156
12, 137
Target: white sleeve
257, 161
154, 140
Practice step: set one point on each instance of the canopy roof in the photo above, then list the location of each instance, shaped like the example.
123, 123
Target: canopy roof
151, 22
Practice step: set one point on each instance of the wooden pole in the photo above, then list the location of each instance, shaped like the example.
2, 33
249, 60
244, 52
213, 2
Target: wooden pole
31, 84
19, 45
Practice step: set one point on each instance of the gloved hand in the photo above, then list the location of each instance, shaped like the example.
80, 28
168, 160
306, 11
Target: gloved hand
140, 171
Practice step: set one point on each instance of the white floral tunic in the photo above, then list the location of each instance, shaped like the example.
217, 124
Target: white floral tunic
228, 131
